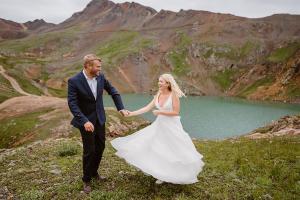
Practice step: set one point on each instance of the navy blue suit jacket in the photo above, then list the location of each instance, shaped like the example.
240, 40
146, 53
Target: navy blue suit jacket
82, 103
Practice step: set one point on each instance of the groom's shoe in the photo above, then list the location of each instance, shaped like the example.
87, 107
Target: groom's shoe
100, 178
87, 187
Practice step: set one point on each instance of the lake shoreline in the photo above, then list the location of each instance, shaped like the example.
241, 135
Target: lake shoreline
287, 101
213, 117
288, 125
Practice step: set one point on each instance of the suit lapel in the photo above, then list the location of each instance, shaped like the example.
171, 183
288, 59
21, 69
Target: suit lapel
86, 85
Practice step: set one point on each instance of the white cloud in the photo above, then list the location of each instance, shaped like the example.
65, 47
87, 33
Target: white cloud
58, 10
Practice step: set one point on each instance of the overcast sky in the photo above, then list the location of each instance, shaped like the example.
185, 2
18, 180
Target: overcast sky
56, 11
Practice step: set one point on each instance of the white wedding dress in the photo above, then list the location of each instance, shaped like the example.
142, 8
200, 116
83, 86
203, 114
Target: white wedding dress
162, 149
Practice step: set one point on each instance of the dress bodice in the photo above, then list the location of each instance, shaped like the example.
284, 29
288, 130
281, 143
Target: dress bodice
167, 104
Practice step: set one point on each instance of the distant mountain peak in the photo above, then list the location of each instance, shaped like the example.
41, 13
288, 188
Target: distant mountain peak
99, 3
37, 23
96, 9
134, 5
93, 8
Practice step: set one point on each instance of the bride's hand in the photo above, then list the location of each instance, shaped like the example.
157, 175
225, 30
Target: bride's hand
156, 112
129, 114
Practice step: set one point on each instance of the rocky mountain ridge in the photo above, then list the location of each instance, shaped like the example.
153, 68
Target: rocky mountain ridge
209, 53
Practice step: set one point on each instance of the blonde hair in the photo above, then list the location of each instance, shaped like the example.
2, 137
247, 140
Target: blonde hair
87, 59
173, 86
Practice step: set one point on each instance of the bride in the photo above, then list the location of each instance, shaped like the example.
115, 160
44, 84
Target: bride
163, 149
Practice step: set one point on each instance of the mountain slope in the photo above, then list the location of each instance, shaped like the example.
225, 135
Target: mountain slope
209, 53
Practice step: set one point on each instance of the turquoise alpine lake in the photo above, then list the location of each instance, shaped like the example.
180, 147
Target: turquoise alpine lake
205, 117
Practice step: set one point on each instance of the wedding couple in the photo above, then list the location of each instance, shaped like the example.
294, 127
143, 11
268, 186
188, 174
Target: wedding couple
163, 149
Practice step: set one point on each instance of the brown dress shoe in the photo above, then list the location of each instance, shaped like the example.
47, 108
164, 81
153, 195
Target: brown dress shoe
87, 187
100, 178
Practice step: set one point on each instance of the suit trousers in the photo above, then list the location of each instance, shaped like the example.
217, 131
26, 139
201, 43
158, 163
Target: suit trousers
93, 147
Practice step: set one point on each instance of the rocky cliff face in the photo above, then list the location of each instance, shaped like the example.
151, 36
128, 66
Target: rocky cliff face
282, 80
209, 53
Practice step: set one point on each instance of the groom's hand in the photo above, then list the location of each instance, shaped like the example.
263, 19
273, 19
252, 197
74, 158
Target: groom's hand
124, 112
89, 127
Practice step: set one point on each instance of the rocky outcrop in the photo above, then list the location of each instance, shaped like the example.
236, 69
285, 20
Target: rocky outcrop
117, 126
284, 84
285, 126
38, 24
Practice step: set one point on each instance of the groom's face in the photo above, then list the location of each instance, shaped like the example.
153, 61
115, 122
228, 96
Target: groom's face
95, 68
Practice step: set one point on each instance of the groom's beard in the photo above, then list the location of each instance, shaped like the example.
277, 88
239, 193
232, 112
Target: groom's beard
95, 74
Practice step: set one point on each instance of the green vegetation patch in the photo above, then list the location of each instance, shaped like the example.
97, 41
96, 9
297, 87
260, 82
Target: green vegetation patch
179, 55
284, 53
58, 40
16, 66
15, 128
6, 90
224, 78
293, 91
251, 88
228, 51
120, 45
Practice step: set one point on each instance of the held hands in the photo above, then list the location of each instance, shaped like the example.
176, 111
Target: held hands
124, 113
156, 112
127, 113
89, 127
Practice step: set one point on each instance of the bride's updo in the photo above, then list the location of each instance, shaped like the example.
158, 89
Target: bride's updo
173, 86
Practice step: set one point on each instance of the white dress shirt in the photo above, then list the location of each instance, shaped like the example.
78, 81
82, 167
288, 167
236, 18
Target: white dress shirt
92, 83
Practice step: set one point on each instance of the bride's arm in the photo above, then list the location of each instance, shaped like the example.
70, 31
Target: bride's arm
174, 112
144, 109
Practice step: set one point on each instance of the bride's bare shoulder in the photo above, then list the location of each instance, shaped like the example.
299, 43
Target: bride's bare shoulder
175, 97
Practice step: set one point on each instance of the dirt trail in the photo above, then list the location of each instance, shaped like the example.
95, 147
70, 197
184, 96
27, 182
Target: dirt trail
26, 104
13, 82
29, 102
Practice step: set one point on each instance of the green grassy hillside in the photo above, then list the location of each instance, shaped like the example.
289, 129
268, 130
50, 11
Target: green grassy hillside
235, 169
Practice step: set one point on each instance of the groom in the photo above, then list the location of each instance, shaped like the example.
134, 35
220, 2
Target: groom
85, 101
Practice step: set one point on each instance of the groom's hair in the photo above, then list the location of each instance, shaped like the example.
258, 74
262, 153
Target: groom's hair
89, 58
